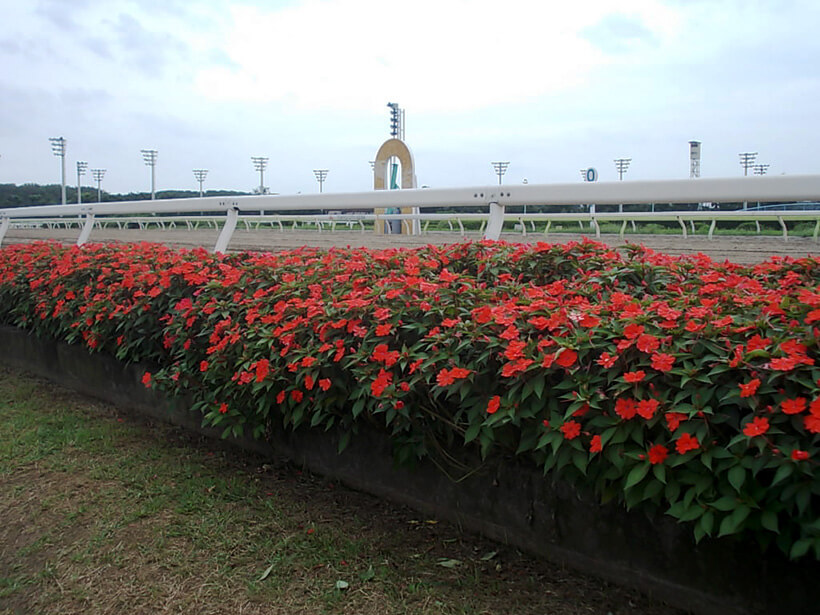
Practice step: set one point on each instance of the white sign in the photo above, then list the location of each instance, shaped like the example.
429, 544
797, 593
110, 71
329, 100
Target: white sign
591, 174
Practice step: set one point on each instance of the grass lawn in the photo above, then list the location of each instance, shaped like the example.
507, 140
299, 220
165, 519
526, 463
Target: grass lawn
104, 512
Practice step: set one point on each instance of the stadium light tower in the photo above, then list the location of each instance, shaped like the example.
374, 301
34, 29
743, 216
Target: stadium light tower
150, 158
58, 149
396, 121
747, 160
259, 163
81, 168
200, 175
320, 174
760, 169
622, 165
98, 175
500, 169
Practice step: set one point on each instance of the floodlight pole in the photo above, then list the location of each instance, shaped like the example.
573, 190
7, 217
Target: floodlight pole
747, 160
500, 169
98, 175
150, 158
622, 165
81, 168
200, 175
259, 163
320, 174
58, 149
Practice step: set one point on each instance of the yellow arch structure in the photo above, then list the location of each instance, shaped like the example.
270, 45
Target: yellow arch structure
389, 149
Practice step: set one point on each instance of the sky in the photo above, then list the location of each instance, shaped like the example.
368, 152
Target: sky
552, 87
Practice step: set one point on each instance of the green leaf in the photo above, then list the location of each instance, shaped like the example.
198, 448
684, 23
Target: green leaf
725, 504
783, 472
266, 574
737, 476
769, 521
636, 475
472, 432
732, 523
800, 548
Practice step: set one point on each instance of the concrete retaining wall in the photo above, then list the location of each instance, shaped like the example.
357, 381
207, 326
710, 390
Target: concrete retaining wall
506, 502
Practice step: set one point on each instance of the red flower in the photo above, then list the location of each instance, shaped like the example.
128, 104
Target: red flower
686, 442
812, 423
793, 406
647, 408
605, 360
203, 366
595, 445
297, 395
662, 362
798, 455
756, 427
381, 382
784, 364
494, 404
324, 384
566, 357
571, 429
633, 377
223, 407
631, 331
262, 369
658, 454
647, 343
146, 380
674, 419
515, 367
447, 377
383, 329
626, 408
589, 321
750, 388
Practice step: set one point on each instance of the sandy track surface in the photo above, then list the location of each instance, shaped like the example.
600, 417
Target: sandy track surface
739, 249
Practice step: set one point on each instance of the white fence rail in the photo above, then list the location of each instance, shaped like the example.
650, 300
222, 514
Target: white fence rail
494, 198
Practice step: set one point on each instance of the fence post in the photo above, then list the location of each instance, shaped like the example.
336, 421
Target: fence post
87, 228
4, 227
495, 222
227, 230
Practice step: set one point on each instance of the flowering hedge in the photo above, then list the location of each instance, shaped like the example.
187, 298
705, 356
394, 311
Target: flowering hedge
677, 384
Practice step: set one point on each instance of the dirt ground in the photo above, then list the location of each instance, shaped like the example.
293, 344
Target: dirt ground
738, 249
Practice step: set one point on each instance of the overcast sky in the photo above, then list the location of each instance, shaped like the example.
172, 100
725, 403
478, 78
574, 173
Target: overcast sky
552, 87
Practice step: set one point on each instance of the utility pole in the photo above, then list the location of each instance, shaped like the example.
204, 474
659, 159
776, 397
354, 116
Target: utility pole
320, 174
622, 164
760, 169
150, 158
500, 169
98, 175
259, 163
81, 168
747, 159
58, 149
200, 175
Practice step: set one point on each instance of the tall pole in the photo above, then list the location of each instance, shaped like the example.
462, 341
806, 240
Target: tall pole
760, 169
200, 175
500, 169
622, 164
81, 167
747, 160
320, 174
58, 149
98, 175
259, 163
150, 158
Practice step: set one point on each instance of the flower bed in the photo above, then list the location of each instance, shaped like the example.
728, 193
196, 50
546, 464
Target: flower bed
672, 384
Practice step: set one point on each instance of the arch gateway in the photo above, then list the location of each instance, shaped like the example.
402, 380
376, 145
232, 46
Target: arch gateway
395, 148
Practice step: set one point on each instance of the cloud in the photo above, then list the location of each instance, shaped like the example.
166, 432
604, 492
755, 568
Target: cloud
617, 33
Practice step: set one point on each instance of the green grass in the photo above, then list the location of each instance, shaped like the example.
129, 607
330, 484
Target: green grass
104, 512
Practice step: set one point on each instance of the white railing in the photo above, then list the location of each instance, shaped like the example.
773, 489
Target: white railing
494, 198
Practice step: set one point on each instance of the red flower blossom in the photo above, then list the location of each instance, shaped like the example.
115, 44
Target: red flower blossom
262, 369
633, 377
494, 404
647, 408
626, 408
447, 377
203, 366
784, 364
658, 454
606, 360
686, 443
566, 357
595, 445
750, 388
793, 406
297, 395
571, 429
223, 408
812, 423
674, 419
647, 343
589, 321
662, 362
756, 427
324, 384
381, 382
798, 455
631, 331
514, 368
146, 380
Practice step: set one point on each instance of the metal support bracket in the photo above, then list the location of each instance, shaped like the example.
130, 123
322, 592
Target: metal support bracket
227, 230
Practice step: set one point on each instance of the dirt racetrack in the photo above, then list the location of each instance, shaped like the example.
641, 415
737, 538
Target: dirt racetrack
739, 249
